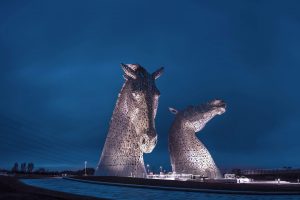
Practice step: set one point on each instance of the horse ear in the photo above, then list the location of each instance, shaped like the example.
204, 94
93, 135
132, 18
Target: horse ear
158, 73
128, 71
173, 111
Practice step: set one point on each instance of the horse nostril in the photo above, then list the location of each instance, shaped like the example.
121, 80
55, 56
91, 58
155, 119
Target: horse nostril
143, 141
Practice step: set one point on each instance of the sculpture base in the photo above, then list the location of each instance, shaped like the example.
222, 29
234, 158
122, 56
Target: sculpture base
213, 186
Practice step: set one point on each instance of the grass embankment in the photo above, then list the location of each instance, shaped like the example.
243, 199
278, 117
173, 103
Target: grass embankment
12, 189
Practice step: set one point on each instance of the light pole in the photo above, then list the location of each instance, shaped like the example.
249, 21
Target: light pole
148, 168
85, 163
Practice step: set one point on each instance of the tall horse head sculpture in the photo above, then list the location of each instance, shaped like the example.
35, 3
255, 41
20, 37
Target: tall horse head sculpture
132, 127
188, 154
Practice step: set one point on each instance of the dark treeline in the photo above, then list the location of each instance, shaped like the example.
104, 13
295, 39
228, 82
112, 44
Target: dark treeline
29, 169
24, 167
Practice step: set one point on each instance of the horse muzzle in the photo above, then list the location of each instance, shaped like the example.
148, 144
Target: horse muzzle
147, 143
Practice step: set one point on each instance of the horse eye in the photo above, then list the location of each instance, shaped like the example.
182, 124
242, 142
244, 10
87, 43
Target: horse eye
136, 95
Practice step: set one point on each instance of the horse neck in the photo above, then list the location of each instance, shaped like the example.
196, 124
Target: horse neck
120, 124
181, 132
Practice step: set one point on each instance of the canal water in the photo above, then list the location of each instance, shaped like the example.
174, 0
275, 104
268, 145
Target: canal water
128, 193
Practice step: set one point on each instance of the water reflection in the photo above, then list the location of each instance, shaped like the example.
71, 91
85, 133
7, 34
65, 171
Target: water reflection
126, 193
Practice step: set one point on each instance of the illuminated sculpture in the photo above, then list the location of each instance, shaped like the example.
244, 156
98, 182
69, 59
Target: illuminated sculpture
132, 127
188, 154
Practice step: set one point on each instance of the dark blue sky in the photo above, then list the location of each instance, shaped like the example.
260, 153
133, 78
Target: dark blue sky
60, 76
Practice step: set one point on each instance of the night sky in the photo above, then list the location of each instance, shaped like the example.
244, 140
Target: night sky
60, 76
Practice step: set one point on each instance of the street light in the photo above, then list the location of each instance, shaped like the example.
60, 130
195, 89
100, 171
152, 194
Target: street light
148, 168
85, 163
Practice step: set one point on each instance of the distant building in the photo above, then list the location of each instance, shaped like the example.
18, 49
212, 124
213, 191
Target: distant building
284, 174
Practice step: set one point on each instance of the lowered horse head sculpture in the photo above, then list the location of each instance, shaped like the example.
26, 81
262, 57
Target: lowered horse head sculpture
188, 154
132, 127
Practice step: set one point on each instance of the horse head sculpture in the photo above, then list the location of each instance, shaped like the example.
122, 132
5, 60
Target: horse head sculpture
196, 117
188, 154
132, 128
